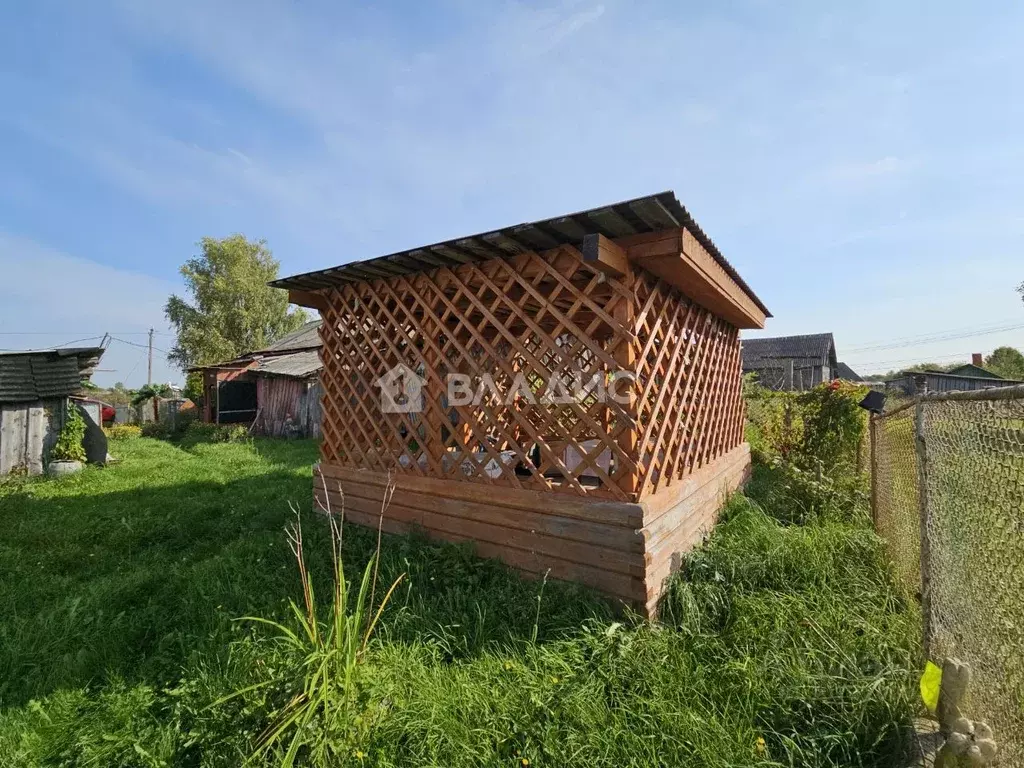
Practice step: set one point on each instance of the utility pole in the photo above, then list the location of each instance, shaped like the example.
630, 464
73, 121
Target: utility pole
149, 375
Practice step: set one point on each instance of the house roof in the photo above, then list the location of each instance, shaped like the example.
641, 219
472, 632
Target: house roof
846, 373
951, 375
296, 355
970, 369
294, 364
653, 213
811, 349
306, 337
45, 374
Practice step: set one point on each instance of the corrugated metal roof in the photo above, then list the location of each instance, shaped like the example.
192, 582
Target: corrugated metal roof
306, 337
26, 377
642, 215
815, 348
294, 364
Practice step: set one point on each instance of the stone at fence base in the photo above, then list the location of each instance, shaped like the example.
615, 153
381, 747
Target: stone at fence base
966, 739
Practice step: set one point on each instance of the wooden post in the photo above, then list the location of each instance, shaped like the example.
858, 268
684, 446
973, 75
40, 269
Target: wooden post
626, 358
787, 381
922, 482
873, 427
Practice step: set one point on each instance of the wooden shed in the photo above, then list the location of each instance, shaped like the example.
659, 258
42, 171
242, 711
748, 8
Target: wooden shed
604, 482
791, 363
276, 390
35, 387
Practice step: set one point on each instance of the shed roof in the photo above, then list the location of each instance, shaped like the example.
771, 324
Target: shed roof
294, 364
950, 375
846, 373
970, 369
45, 374
306, 337
642, 215
814, 349
296, 355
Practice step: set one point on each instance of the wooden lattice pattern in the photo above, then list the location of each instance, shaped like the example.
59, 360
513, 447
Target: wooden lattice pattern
690, 404
524, 322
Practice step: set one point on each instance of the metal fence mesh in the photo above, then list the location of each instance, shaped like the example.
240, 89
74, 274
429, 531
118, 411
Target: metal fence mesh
971, 458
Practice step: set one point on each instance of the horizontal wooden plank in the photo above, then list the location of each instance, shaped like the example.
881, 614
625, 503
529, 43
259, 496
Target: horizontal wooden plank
628, 588
625, 586
620, 513
656, 505
603, 535
616, 560
712, 495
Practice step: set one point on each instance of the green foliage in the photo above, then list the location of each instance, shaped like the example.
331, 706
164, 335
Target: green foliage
123, 432
833, 427
232, 308
69, 442
320, 691
774, 428
204, 432
1007, 362
194, 389
150, 392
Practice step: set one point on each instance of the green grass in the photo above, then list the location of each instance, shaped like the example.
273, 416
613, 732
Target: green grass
119, 588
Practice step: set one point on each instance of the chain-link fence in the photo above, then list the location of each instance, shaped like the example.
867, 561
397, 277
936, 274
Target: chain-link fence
948, 498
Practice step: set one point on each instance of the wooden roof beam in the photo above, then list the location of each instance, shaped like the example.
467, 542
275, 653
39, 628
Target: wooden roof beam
605, 255
310, 299
677, 257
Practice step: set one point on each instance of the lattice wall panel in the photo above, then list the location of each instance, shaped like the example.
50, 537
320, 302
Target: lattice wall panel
516, 325
690, 405
520, 322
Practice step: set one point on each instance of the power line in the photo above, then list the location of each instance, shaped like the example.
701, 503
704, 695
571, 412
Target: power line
914, 360
141, 346
68, 333
934, 337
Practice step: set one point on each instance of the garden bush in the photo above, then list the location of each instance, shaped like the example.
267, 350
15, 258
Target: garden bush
123, 432
204, 432
69, 442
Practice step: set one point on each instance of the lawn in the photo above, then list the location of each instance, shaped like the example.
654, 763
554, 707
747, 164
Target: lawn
120, 642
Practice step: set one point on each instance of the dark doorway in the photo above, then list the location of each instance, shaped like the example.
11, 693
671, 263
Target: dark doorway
236, 402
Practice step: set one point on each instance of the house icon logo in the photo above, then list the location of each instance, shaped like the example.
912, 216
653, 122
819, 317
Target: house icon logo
401, 390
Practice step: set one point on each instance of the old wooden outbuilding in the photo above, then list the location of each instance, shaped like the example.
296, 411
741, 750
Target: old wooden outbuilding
793, 363
34, 390
605, 481
275, 390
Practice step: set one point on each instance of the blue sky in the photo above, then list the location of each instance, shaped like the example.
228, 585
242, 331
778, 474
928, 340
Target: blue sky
861, 166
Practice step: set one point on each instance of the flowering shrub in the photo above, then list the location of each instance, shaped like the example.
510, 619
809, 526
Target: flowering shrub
833, 427
123, 432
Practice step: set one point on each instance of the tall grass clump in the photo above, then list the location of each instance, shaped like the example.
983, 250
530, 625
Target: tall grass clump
322, 655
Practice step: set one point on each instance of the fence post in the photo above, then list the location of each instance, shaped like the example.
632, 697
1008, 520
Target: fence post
921, 448
873, 467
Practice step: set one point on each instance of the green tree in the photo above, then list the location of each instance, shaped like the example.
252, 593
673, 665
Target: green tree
232, 308
1007, 362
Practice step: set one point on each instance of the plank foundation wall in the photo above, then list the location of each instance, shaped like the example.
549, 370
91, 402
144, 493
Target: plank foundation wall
625, 550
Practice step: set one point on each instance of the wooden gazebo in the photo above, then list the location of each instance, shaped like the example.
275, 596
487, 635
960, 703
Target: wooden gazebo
603, 482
